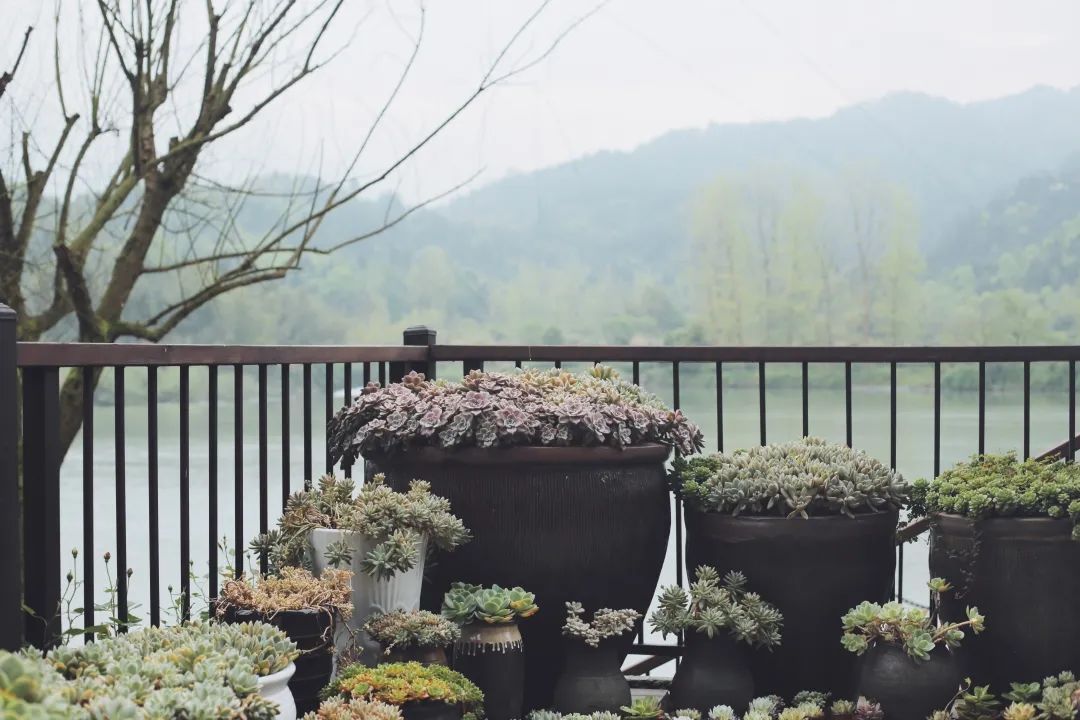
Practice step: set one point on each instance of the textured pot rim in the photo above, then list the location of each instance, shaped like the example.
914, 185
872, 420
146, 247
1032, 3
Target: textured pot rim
281, 677
532, 454
876, 516
277, 613
1025, 526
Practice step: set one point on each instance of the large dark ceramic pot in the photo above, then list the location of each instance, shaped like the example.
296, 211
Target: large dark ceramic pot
813, 570
312, 632
907, 689
428, 710
422, 655
714, 671
585, 524
492, 656
592, 679
1024, 575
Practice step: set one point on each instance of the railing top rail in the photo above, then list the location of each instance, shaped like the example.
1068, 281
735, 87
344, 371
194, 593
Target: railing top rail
44, 354
775, 354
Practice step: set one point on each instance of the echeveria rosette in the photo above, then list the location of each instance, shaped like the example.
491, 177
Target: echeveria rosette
988, 486
489, 410
801, 478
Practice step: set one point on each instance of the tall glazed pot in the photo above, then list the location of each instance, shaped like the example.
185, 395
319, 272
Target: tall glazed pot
584, 524
493, 657
1024, 575
813, 569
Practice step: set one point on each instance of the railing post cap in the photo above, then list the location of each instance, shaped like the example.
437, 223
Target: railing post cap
419, 335
7, 313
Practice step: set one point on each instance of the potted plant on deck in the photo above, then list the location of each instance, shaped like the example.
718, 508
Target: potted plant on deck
591, 679
412, 635
817, 523
337, 708
380, 534
559, 476
1007, 532
422, 692
907, 657
721, 620
490, 651
302, 606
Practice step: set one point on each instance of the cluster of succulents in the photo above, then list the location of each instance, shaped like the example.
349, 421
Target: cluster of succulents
465, 603
411, 682
487, 410
552, 715
1003, 486
1055, 698
712, 606
806, 705
913, 629
647, 707
293, 588
192, 671
795, 479
337, 708
605, 623
399, 522
411, 629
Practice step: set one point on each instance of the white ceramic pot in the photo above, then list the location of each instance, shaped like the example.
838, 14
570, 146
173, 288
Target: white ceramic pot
370, 595
276, 688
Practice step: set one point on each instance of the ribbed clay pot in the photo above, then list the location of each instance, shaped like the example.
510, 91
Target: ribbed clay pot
1024, 575
813, 570
908, 689
312, 632
592, 679
493, 657
422, 655
714, 671
585, 524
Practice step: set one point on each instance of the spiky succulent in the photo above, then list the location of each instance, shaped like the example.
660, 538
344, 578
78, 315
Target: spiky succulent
400, 683
341, 709
605, 623
794, 479
913, 629
411, 629
643, 708
398, 522
712, 606
1003, 486
465, 603
817, 698
531, 407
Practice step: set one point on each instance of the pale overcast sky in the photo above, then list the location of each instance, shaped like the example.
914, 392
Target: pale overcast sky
635, 70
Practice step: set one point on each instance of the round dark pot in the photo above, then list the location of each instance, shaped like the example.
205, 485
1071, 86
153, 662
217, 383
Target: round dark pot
428, 710
714, 671
311, 630
585, 524
814, 570
1024, 575
492, 656
908, 689
592, 679
422, 655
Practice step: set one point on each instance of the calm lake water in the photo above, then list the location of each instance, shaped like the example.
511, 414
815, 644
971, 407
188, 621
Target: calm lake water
959, 438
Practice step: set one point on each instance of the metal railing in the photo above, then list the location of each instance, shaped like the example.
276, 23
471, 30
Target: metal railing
30, 577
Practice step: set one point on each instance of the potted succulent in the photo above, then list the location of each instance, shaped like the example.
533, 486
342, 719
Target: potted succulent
423, 692
1008, 533
412, 635
720, 620
592, 679
560, 477
302, 606
337, 708
380, 534
196, 670
806, 515
489, 651
805, 705
1057, 697
906, 654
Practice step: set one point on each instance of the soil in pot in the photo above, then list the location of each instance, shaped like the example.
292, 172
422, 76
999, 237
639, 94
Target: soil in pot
813, 570
428, 710
908, 689
592, 679
585, 524
1024, 575
492, 656
312, 632
714, 671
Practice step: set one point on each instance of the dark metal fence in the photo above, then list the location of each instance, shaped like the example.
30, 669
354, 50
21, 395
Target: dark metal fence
31, 570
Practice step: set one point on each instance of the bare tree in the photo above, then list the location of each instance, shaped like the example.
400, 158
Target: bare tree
151, 213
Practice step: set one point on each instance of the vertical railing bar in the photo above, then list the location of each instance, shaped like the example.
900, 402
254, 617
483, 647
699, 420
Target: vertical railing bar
517, 364
937, 418
367, 373
898, 587
308, 459
1027, 409
329, 392
12, 501
382, 374
1072, 411
761, 400
847, 404
212, 476
264, 465
120, 444
982, 407
238, 469
185, 492
89, 508
719, 406
347, 386
285, 448
805, 399
152, 488
558, 364
676, 403
636, 372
